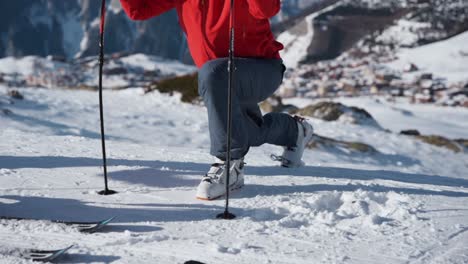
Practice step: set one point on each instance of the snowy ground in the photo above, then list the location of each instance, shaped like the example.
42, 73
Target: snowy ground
447, 59
297, 40
428, 119
407, 204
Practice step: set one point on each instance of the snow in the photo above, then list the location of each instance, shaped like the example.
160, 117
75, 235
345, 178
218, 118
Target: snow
403, 33
448, 58
296, 45
115, 6
405, 204
38, 71
402, 115
151, 63
296, 41
83, 44
23, 66
375, 4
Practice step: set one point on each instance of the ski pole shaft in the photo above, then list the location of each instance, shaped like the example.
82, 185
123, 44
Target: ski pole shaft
229, 124
101, 110
106, 190
231, 68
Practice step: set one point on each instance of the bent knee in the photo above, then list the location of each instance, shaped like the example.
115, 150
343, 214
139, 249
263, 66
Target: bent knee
213, 77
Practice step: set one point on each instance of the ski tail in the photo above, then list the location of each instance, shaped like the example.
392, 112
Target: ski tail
44, 255
84, 227
93, 226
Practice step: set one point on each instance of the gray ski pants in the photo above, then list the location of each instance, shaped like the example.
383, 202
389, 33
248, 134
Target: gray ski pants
254, 81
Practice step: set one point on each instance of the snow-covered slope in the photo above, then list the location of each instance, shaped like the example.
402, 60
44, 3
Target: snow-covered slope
405, 204
428, 119
297, 39
370, 25
71, 29
447, 59
296, 42
119, 72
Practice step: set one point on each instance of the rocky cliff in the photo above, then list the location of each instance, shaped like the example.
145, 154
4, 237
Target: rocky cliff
71, 29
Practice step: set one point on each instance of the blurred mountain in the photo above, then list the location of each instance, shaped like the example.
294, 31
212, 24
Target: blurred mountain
340, 25
71, 29
400, 48
310, 29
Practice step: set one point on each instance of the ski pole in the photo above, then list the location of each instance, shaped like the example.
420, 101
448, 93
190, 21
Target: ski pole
106, 190
226, 214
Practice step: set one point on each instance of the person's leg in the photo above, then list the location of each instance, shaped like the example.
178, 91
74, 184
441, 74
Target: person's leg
273, 128
213, 88
260, 79
254, 81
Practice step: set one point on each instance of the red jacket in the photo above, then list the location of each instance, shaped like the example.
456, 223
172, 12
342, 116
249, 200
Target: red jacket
206, 24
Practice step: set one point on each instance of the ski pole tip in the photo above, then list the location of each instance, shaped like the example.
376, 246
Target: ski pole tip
226, 215
107, 192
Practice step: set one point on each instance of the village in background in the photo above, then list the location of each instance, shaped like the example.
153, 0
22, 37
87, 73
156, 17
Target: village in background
414, 49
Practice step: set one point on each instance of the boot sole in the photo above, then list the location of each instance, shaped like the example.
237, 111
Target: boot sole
235, 188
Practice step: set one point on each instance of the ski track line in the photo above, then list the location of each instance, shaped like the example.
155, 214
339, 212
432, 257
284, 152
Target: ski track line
109, 245
346, 249
90, 245
441, 248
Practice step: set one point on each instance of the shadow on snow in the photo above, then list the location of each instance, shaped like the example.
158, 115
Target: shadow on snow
76, 210
58, 128
86, 258
169, 174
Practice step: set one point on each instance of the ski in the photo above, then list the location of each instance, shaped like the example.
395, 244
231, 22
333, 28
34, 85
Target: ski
87, 227
84, 227
43, 255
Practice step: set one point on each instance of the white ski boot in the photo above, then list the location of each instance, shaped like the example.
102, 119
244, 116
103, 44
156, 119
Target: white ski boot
292, 156
212, 185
